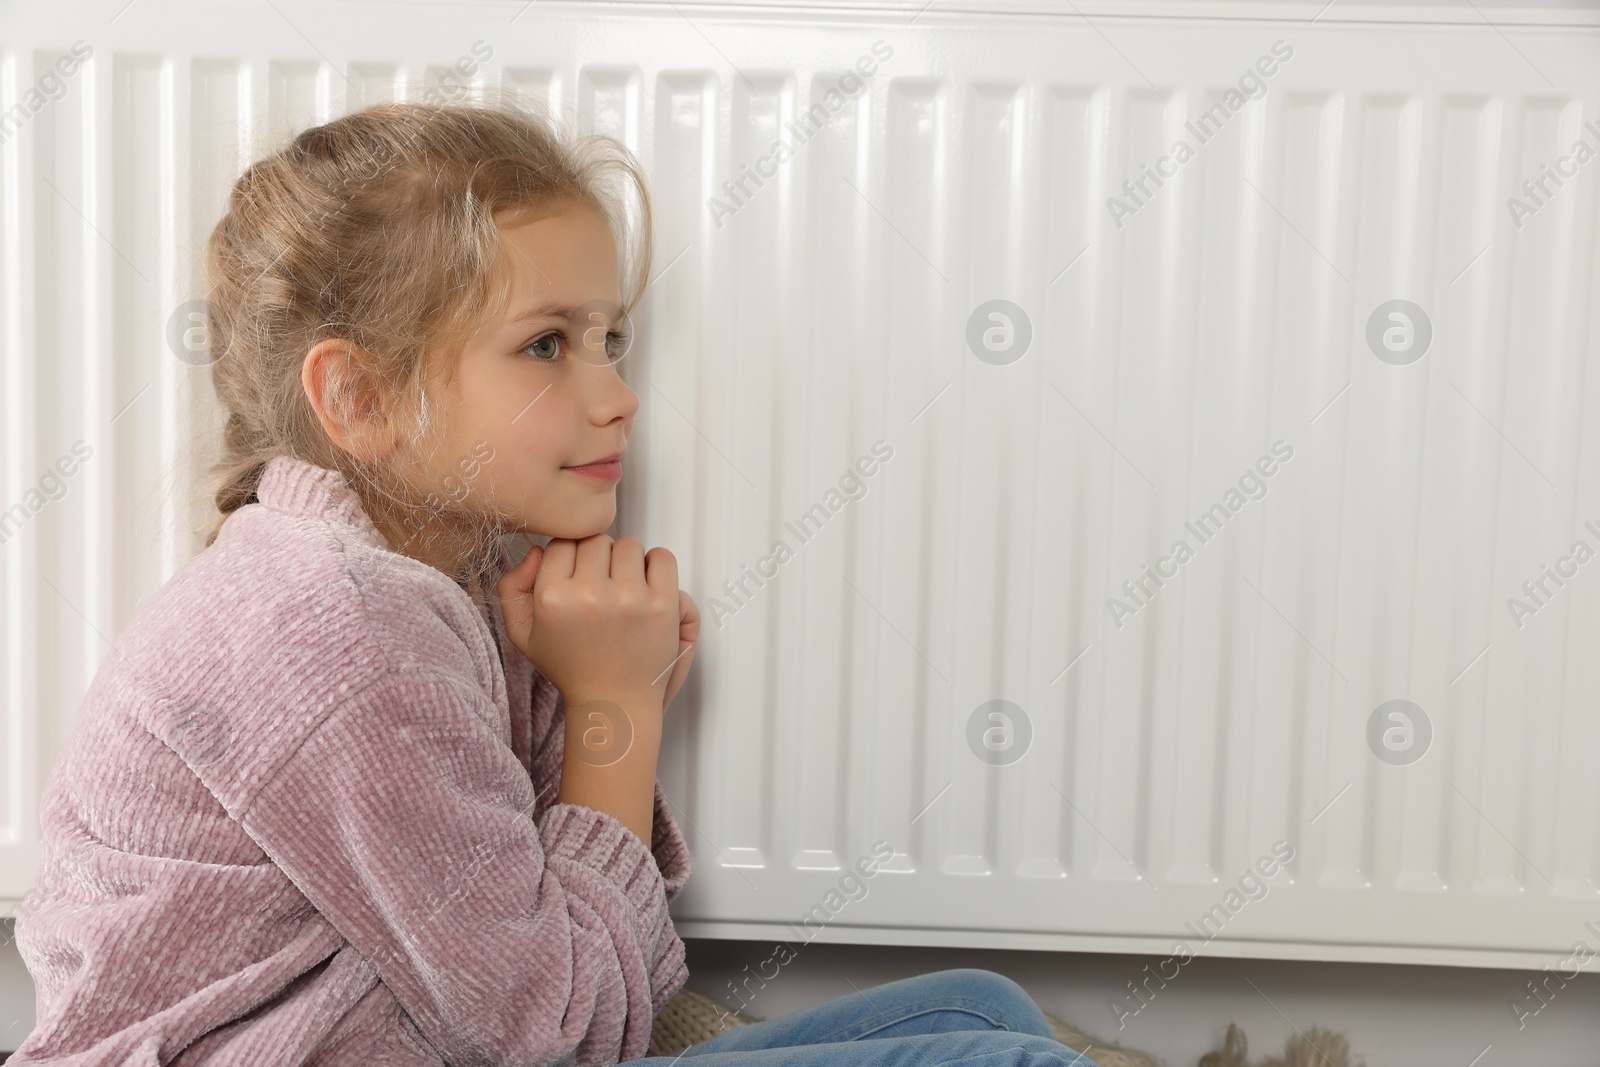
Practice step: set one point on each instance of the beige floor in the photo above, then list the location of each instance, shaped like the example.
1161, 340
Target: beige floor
1390, 1015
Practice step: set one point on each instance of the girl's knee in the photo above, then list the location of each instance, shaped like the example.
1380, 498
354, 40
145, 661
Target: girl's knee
999, 1049
1019, 1010
981, 982
991, 999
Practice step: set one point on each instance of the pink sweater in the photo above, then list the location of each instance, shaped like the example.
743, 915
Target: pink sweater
307, 815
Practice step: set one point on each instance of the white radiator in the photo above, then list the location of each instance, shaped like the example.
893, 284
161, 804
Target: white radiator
978, 644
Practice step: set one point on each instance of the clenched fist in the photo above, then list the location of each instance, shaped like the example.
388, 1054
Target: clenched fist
602, 619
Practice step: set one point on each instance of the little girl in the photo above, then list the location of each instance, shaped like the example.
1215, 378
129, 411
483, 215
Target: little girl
355, 786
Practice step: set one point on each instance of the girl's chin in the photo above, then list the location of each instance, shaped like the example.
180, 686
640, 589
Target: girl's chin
573, 528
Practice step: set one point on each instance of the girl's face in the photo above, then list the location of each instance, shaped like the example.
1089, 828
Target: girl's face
536, 395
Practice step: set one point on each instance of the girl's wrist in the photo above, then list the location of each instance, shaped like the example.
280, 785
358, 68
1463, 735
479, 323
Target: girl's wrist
634, 699
601, 730
609, 759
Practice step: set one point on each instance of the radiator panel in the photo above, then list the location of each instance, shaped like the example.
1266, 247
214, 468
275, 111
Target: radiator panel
830, 305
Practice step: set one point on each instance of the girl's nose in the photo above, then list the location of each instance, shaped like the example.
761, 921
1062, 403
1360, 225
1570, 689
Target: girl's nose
615, 400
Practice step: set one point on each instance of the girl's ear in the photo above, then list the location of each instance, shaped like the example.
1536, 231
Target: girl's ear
343, 390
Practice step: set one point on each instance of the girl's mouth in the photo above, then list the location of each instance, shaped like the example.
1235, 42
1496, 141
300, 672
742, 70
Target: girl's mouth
604, 470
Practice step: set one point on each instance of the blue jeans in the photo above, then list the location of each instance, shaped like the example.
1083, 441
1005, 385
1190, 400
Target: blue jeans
960, 1015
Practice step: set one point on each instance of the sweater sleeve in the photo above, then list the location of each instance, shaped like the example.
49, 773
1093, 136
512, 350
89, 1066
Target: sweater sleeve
668, 846
404, 819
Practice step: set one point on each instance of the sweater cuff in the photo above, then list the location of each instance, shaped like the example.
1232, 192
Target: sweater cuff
671, 851
600, 840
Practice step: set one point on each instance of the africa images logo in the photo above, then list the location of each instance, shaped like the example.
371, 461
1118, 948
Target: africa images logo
1252, 85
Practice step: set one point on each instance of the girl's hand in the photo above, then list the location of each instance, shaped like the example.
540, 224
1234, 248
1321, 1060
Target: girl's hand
597, 618
688, 634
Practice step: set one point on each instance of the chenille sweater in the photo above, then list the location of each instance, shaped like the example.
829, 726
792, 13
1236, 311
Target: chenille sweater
308, 814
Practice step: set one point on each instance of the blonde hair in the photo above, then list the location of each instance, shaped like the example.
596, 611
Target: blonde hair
379, 228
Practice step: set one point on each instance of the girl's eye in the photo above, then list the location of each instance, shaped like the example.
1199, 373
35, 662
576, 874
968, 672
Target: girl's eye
546, 349
616, 345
